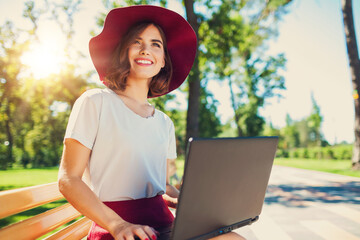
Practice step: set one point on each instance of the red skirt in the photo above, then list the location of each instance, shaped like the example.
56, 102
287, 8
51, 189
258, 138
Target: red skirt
146, 211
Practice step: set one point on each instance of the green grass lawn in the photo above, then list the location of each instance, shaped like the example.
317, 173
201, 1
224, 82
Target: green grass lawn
17, 178
342, 167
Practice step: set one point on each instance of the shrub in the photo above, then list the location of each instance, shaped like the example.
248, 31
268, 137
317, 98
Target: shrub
343, 151
282, 153
328, 152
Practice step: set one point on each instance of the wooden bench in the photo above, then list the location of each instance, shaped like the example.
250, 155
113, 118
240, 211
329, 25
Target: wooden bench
20, 200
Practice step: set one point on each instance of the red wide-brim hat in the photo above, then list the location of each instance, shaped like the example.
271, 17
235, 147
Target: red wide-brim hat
180, 37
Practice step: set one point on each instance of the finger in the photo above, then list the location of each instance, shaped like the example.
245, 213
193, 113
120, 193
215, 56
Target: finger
156, 232
129, 237
151, 232
140, 232
118, 237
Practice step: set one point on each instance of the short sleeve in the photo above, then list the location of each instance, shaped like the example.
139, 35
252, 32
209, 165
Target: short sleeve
84, 120
172, 142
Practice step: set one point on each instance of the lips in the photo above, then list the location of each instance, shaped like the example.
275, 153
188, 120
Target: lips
143, 61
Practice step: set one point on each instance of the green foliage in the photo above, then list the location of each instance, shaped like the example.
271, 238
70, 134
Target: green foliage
303, 139
231, 48
209, 125
160, 102
337, 152
11, 100
290, 135
31, 123
227, 130
302, 133
314, 124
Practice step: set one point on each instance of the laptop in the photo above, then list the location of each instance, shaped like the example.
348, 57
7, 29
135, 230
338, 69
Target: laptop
224, 185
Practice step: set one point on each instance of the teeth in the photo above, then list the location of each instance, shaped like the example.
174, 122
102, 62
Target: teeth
143, 61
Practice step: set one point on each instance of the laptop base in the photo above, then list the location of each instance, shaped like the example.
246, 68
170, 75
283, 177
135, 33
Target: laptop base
226, 229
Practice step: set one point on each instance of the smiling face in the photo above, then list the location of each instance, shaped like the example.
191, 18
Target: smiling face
140, 55
146, 54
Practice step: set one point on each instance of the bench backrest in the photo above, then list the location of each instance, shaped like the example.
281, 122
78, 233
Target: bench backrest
19, 200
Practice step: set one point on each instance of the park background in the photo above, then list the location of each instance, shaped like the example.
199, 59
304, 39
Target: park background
281, 70
286, 64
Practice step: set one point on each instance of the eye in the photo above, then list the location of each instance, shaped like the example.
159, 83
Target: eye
156, 45
136, 42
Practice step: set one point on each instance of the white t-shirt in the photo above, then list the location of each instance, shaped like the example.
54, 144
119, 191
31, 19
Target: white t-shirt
129, 152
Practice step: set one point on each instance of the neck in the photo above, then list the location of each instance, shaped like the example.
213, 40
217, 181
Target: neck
136, 90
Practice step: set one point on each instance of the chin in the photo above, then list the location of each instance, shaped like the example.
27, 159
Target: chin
144, 75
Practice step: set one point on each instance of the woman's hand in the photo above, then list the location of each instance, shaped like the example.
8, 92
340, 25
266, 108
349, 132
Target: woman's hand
170, 201
171, 196
128, 231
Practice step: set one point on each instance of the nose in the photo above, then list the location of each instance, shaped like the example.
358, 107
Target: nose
144, 50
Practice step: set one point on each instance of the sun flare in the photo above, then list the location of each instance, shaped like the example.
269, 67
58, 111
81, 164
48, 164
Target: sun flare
43, 60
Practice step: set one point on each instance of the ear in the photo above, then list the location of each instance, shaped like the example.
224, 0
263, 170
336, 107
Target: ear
163, 63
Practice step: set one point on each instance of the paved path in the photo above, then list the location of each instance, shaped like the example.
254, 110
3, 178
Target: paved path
308, 205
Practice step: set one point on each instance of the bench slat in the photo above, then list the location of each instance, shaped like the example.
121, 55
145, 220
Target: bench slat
76, 230
40, 224
19, 200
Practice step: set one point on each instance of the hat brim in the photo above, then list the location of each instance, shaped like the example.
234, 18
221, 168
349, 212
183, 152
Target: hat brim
180, 37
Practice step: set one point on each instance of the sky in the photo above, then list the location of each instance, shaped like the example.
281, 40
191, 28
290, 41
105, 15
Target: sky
311, 36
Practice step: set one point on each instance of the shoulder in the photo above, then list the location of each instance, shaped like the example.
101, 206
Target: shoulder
92, 98
164, 117
96, 95
93, 94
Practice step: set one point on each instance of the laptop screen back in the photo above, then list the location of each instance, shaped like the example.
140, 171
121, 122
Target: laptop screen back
224, 183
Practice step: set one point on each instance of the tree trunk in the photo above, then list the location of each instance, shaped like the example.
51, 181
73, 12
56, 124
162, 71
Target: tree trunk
10, 158
354, 62
233, 104
192, 119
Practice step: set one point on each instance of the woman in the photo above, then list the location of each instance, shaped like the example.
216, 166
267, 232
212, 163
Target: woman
115, 137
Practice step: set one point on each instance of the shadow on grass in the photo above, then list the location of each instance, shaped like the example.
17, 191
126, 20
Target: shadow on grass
8, 187
298, 195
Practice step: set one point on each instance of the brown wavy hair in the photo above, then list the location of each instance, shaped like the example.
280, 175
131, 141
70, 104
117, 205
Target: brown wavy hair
117, 74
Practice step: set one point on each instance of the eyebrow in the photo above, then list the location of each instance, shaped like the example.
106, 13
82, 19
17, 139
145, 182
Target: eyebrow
152, 40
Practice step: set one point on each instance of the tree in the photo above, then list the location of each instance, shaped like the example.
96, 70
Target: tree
314, 124
260, 82
354, 62
305, 132
9, 71
290, 134
221, 29
209, 125
193, 112
233, 41
29, 116
43, 141
15, 108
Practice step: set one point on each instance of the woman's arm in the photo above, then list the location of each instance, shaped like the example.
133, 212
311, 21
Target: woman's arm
172, 194
73, 163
